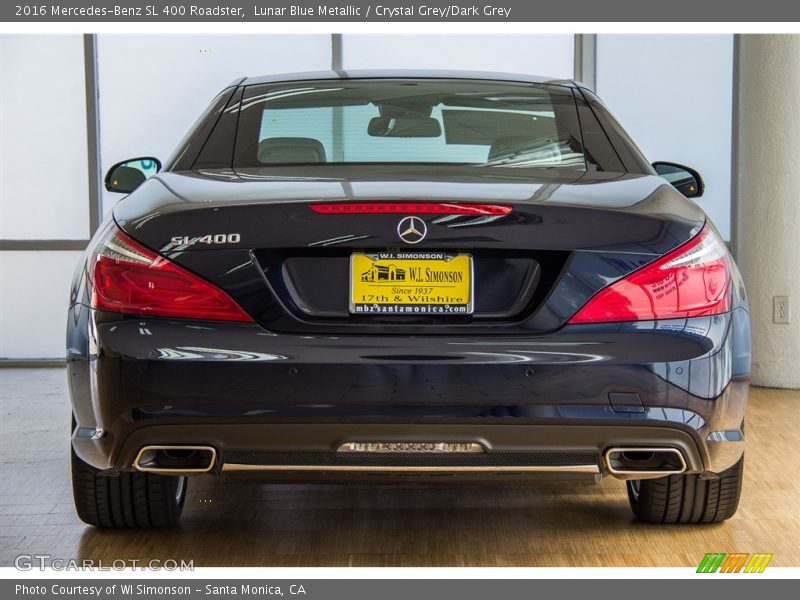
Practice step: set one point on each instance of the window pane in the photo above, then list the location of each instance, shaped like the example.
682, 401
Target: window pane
410, 121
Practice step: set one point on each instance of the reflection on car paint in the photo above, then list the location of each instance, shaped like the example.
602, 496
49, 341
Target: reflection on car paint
195, 353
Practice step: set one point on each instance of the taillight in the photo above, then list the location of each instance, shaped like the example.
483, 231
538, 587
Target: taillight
691, 281
422, 208
128, 278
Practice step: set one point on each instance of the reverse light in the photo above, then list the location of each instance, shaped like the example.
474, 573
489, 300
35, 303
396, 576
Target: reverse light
128, 278
430, 208
691, 281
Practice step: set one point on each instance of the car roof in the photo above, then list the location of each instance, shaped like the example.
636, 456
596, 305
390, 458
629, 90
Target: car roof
404, 74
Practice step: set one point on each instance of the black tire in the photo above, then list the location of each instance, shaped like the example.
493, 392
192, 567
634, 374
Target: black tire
126, 501
687, 498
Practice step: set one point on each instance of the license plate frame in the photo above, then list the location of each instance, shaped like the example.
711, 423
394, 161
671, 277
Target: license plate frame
450, 295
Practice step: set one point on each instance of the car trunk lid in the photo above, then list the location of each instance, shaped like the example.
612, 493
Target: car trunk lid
289, 266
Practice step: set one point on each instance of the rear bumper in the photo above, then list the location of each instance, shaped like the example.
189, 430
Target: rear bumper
310, 450
249, 393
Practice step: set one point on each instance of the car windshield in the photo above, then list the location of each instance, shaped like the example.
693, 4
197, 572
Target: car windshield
444, 122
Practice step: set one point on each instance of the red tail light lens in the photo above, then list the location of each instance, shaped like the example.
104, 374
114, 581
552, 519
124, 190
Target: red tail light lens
691, 281
128, 278
429, 208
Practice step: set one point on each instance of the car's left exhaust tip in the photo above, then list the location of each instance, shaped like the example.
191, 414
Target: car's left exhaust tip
175, 460
644, 463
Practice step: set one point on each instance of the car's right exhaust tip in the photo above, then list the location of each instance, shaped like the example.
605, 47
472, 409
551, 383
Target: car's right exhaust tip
175, 460
644, 463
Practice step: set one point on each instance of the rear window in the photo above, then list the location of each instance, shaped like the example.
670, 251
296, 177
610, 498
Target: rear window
451, 122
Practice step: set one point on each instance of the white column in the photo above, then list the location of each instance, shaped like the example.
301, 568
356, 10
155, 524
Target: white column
768, 200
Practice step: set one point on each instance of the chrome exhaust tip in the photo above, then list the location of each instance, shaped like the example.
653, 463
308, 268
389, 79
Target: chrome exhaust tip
175, 460
644, 463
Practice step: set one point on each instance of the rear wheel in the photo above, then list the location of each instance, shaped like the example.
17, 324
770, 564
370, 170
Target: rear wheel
129, 500
687, 498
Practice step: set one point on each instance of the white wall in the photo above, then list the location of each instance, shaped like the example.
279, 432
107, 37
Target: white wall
548, 55
33, 302
43, 155
673, 93
153, 87
769, 210
43, 186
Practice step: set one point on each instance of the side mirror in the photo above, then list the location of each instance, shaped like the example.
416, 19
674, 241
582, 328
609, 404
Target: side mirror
684, 179
129, 174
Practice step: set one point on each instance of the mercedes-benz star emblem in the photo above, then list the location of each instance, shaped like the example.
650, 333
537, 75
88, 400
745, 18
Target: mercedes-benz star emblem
412, 230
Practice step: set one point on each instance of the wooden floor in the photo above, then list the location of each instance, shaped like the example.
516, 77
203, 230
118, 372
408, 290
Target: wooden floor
329, 525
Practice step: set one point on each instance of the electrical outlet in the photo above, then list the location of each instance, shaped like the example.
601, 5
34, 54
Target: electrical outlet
780, 309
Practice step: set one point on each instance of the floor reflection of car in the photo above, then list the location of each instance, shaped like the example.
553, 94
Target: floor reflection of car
597, 327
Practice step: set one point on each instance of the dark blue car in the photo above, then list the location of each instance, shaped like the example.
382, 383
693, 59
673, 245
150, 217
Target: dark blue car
384, 276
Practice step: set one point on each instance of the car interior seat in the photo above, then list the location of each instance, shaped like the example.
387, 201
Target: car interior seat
291, 150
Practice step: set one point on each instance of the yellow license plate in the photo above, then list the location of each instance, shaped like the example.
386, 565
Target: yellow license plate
411, 283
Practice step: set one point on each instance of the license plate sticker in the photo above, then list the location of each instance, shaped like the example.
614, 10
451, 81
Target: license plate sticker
411, 283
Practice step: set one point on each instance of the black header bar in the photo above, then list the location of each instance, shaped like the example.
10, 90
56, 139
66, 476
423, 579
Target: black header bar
438, 11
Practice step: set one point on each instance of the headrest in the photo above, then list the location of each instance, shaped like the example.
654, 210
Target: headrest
291, 150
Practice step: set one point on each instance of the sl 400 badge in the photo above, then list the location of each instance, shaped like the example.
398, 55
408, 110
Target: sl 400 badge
211, 238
